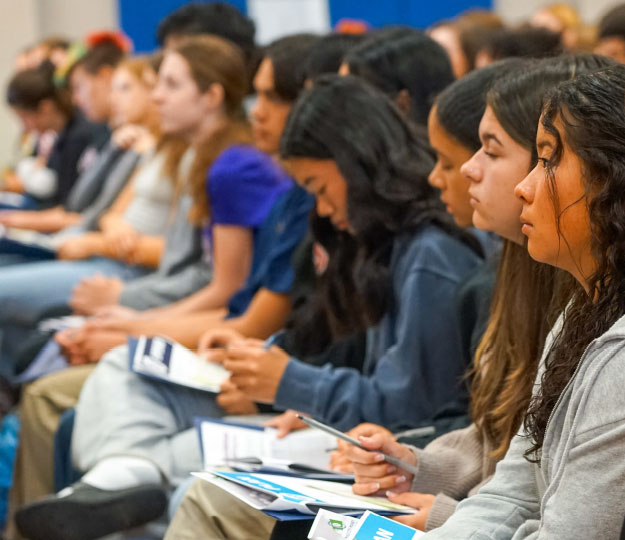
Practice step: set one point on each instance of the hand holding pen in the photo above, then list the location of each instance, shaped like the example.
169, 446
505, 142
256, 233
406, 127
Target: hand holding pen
380, 463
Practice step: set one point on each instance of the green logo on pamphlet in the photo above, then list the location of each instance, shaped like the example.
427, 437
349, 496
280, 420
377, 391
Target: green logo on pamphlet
336, 524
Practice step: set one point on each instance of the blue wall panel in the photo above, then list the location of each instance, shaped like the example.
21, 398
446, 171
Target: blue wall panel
418, 13
139, 18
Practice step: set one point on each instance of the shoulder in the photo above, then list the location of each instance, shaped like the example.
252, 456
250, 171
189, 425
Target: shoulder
600, 381
247, 162
430, 249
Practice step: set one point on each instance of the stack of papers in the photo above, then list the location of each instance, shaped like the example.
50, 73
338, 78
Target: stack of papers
26, 242
252, 448
273, 493
331, 526
164, 359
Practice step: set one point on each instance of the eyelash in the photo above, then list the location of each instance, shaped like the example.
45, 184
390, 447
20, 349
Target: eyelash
491, 156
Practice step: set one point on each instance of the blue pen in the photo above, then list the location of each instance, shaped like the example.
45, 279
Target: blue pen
273, 339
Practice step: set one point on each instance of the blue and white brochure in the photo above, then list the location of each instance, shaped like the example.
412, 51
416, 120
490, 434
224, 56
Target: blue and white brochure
276, 493
163, 359
374, 527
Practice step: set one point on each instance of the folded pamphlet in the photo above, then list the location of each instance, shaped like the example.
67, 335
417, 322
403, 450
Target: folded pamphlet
165, 360
248, 447
332, 526
273, 493
28, 243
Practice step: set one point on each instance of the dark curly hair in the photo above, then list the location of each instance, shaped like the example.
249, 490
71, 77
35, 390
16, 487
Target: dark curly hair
528, 295
386, 168
591, 111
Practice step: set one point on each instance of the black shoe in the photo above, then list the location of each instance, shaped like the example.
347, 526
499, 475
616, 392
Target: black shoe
84, 512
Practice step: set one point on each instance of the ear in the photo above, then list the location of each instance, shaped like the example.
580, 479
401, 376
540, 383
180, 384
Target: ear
403, 101
46, 107
105, 73
214, 97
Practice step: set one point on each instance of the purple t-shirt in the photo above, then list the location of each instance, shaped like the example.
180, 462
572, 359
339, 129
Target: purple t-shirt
242, 186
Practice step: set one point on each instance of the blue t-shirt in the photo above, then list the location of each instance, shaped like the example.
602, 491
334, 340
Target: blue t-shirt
242, 186
275, 242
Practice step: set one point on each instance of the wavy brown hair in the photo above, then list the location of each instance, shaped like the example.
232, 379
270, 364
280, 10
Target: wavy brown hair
213, 60
591, 112
528, 295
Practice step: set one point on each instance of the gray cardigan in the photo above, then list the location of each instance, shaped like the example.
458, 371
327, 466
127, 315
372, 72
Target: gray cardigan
578, 491
453, 466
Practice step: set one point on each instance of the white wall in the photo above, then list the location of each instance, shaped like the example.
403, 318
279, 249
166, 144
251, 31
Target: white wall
515, 11
23, 22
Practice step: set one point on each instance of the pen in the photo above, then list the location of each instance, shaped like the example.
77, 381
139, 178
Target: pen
416, 432
412, 469
272, 339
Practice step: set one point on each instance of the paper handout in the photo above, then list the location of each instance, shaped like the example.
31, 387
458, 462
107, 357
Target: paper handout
268, 492
168, 361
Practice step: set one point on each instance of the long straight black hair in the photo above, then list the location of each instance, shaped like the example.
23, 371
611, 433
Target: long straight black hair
385, 167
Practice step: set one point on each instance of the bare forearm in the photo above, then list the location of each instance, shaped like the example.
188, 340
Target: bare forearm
186, 329
47, 221
148, 252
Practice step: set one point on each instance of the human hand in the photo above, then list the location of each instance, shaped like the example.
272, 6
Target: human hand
372, 473
234, 401
121, 239
339, 461
95, 293
285, 423
217, 338
116, 312
10, 218
95, 343
139, 138
256, 370
79, 247
421, 501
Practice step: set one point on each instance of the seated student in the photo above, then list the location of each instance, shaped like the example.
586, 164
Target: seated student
217, 18
144, 210
272, 273
427, 240
89, 78
463, 459
41, 107
456, 465
453, 128
462, 37
271, 276
327, 55
137, 117
145, 398
524, 42
566, 455
406, 64
611, 34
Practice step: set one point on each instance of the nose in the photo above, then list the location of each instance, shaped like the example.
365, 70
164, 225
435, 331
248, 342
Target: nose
471, 168
435, 179
257, 111
157, 95
526, 188
324, 208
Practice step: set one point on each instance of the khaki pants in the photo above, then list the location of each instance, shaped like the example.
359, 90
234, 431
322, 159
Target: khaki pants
43, 402
210, 513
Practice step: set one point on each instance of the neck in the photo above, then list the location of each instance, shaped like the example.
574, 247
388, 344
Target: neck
207, 127
58, 121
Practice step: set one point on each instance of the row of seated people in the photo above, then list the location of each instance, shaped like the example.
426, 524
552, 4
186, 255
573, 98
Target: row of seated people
365, 252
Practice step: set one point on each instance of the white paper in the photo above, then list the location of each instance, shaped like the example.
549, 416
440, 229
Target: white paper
299, 494
169, 361
224, 442
332, 526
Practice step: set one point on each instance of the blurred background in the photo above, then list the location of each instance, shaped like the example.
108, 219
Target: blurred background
24, 22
